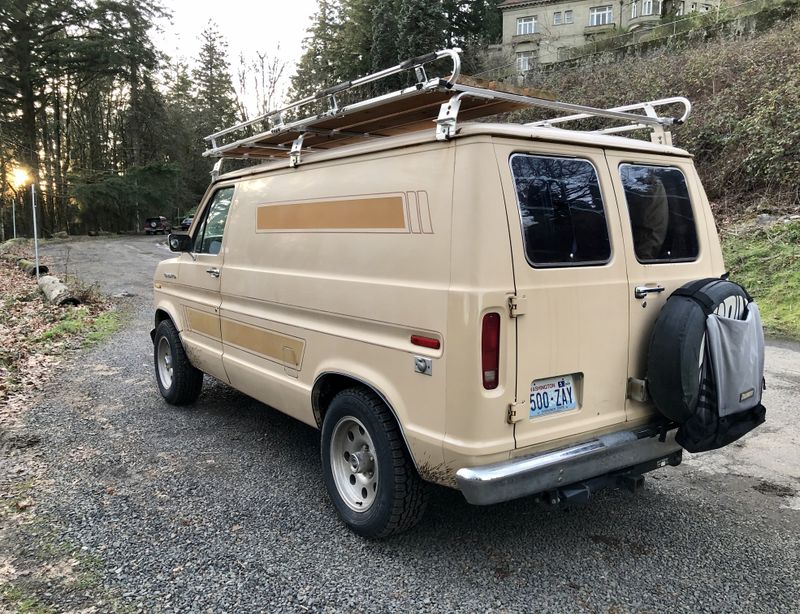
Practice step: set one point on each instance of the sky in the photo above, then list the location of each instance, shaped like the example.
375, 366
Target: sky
248, 26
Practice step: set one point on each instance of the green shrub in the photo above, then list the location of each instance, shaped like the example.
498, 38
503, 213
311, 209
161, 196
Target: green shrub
745, 125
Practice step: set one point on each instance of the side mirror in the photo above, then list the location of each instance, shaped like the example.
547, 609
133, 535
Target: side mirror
180, 242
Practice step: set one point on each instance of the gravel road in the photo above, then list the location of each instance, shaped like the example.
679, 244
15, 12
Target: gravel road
221, 507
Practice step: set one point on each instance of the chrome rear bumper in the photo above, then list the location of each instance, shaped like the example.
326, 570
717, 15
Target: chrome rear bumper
552, 470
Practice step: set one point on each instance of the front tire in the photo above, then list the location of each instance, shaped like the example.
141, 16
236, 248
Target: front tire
178, 380
368, 472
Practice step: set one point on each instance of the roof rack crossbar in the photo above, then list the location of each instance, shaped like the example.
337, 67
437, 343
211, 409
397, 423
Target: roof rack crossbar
649, 107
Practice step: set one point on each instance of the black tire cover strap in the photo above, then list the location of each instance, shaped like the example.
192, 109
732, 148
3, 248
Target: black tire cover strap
694, 292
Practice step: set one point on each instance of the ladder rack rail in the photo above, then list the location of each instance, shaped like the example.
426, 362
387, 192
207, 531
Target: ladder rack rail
648, 107
417, 63
411, 108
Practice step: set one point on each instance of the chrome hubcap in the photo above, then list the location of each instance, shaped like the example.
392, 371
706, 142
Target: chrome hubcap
353, 464
164, 363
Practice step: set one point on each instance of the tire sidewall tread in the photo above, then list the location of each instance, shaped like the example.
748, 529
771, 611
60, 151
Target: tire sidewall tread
187, 380
402, 496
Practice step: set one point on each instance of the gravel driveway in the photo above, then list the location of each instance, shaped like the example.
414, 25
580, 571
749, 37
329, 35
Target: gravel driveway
221, 507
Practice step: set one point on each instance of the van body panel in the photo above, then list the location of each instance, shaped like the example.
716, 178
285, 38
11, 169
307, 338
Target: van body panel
575, 323
669, 275
345, 259
481, 282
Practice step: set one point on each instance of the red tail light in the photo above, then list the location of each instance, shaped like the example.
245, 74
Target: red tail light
490, 351
426, 342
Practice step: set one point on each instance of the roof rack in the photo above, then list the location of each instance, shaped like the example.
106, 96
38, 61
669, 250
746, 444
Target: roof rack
659, 134
444, 101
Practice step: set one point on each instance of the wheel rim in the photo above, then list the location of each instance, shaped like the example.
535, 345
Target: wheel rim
165, 363
353, 464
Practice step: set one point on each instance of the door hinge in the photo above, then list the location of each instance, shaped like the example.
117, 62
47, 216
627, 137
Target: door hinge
517, 305
517, 412
637, 390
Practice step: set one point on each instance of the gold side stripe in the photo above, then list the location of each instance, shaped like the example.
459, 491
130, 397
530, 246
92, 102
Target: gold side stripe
386, 212
203, 323
278, 347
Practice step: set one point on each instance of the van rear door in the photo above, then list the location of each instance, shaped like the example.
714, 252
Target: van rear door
572, 290
667, 230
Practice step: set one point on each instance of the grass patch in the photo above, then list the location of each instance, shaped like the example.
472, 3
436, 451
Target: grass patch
103, 326
35, 333
80, 321
766, 261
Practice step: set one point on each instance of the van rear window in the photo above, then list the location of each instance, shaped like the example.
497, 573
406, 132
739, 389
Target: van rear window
660, 212
561, 209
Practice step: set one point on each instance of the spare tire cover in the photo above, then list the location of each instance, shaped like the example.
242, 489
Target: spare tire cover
677, 345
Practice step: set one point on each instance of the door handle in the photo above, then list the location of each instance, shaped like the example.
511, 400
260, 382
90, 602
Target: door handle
214, 272
643, 291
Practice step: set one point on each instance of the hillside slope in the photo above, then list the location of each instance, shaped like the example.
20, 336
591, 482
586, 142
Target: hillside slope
745, 125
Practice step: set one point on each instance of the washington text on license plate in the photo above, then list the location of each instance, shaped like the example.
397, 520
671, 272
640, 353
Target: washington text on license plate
552, 395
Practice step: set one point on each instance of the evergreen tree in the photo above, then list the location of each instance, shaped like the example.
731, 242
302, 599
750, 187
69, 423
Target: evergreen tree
216, 99
316, 69
421, 27
354, 42
384, 50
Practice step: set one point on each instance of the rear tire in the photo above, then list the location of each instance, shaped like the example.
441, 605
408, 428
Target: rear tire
178, 380
368, 472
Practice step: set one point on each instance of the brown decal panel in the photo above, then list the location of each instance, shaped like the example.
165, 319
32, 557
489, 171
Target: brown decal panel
203, 323
269, 344
385, 213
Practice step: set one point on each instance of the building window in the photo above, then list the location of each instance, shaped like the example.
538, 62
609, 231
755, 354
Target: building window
567, 16
651, 7
526, 25
557, 18
601, 15
680, 9
634, 6
525, 60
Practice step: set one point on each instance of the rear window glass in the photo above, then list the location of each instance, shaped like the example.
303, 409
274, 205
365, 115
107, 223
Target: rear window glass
561, 209
660, 212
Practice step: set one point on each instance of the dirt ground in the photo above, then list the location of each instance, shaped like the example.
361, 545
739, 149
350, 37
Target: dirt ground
111, 500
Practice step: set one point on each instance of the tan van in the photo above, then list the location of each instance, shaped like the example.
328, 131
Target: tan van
462, 303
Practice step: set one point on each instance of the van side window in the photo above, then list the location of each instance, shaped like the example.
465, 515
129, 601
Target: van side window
660, 212
561, 208
209, 236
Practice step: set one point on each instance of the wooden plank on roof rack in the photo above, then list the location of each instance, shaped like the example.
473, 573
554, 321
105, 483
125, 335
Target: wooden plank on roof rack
499, 86
410, 112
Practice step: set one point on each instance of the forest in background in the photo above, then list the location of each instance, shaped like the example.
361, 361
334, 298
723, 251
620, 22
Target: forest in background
112, 131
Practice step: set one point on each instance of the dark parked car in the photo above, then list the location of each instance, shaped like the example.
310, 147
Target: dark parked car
186, 222
154, 225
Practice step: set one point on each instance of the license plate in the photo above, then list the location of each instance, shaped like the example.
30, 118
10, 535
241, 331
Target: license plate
552, 395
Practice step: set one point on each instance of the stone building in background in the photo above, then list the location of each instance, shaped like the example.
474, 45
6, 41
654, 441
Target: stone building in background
543, 31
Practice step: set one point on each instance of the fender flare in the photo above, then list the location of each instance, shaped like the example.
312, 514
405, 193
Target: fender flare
317, 394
